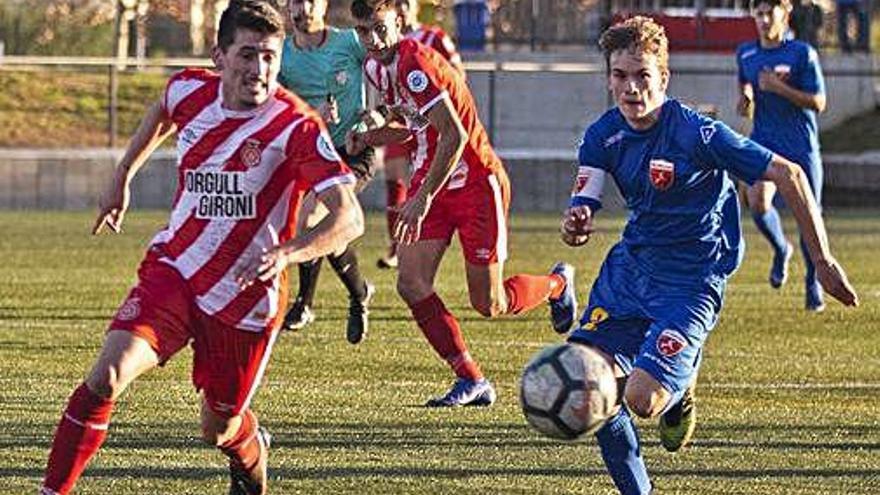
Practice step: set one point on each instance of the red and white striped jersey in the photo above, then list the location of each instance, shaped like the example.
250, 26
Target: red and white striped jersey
431, 36
241, 176
416, 80
436, 38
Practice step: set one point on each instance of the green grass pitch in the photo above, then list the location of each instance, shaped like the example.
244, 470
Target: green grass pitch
788, 401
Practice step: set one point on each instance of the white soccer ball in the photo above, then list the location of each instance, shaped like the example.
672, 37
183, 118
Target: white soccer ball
567, 390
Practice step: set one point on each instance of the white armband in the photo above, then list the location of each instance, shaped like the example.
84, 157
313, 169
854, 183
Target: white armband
589, 183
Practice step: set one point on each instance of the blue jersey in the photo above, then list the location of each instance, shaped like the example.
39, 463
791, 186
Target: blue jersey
780, 125
684, 223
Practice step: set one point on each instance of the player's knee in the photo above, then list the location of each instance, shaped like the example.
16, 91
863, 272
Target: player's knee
104, 382
645, 397
411, 289
216, 430
758, 200
758, 207
487, 307
640, 404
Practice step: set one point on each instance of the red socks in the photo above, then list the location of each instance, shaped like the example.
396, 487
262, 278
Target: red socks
80, 433
443, 333
83, 428
524, 292
244, 447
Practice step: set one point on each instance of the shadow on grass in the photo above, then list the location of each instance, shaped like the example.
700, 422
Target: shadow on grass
397, 436
319, 474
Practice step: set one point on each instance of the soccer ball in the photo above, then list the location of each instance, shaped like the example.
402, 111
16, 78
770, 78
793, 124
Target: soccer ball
567, 390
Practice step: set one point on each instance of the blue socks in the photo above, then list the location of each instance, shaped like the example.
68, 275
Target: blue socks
770, 224
810, 275
619, 442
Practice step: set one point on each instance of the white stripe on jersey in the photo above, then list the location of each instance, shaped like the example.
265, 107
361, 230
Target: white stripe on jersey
373, 72
424, 36
180, 90
187, 202
450, 47
224, 151
332, 181
455, 59
194, 130
500, 218
226, 290
420, 156
430, 104
215, 233
206, 120
201, 253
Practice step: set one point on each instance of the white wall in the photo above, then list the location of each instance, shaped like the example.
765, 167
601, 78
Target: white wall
550, 110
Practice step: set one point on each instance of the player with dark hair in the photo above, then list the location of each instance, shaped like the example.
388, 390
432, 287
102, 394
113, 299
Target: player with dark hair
661, 287
214, 277
781, 85
397, 155
323, 65
458, 185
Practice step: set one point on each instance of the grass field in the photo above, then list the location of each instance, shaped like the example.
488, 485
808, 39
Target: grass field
788, 402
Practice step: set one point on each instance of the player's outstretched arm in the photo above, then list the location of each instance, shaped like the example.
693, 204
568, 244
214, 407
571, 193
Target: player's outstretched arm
793, 185
344, 223
113, 203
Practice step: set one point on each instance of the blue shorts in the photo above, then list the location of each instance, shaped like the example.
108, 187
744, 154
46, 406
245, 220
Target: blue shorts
657, 326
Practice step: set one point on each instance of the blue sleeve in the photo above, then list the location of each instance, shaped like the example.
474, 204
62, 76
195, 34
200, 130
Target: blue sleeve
812, 80
740, 72
724, 149
591, 153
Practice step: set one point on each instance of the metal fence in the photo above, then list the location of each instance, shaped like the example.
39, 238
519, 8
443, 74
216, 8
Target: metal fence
535, 113
532, 103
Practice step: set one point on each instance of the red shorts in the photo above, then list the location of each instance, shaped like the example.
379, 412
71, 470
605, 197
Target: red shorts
400, 150
228, 363
478, 211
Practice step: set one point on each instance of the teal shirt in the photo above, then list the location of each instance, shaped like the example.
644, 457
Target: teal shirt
335, 67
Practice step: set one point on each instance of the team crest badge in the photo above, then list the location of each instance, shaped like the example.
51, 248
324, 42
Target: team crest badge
581, 182
326, 149
130, 310
250, 153
417, 81
662, 174
783, 71
670, 342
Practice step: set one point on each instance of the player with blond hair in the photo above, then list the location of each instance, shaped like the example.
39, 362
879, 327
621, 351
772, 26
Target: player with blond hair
660, 289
